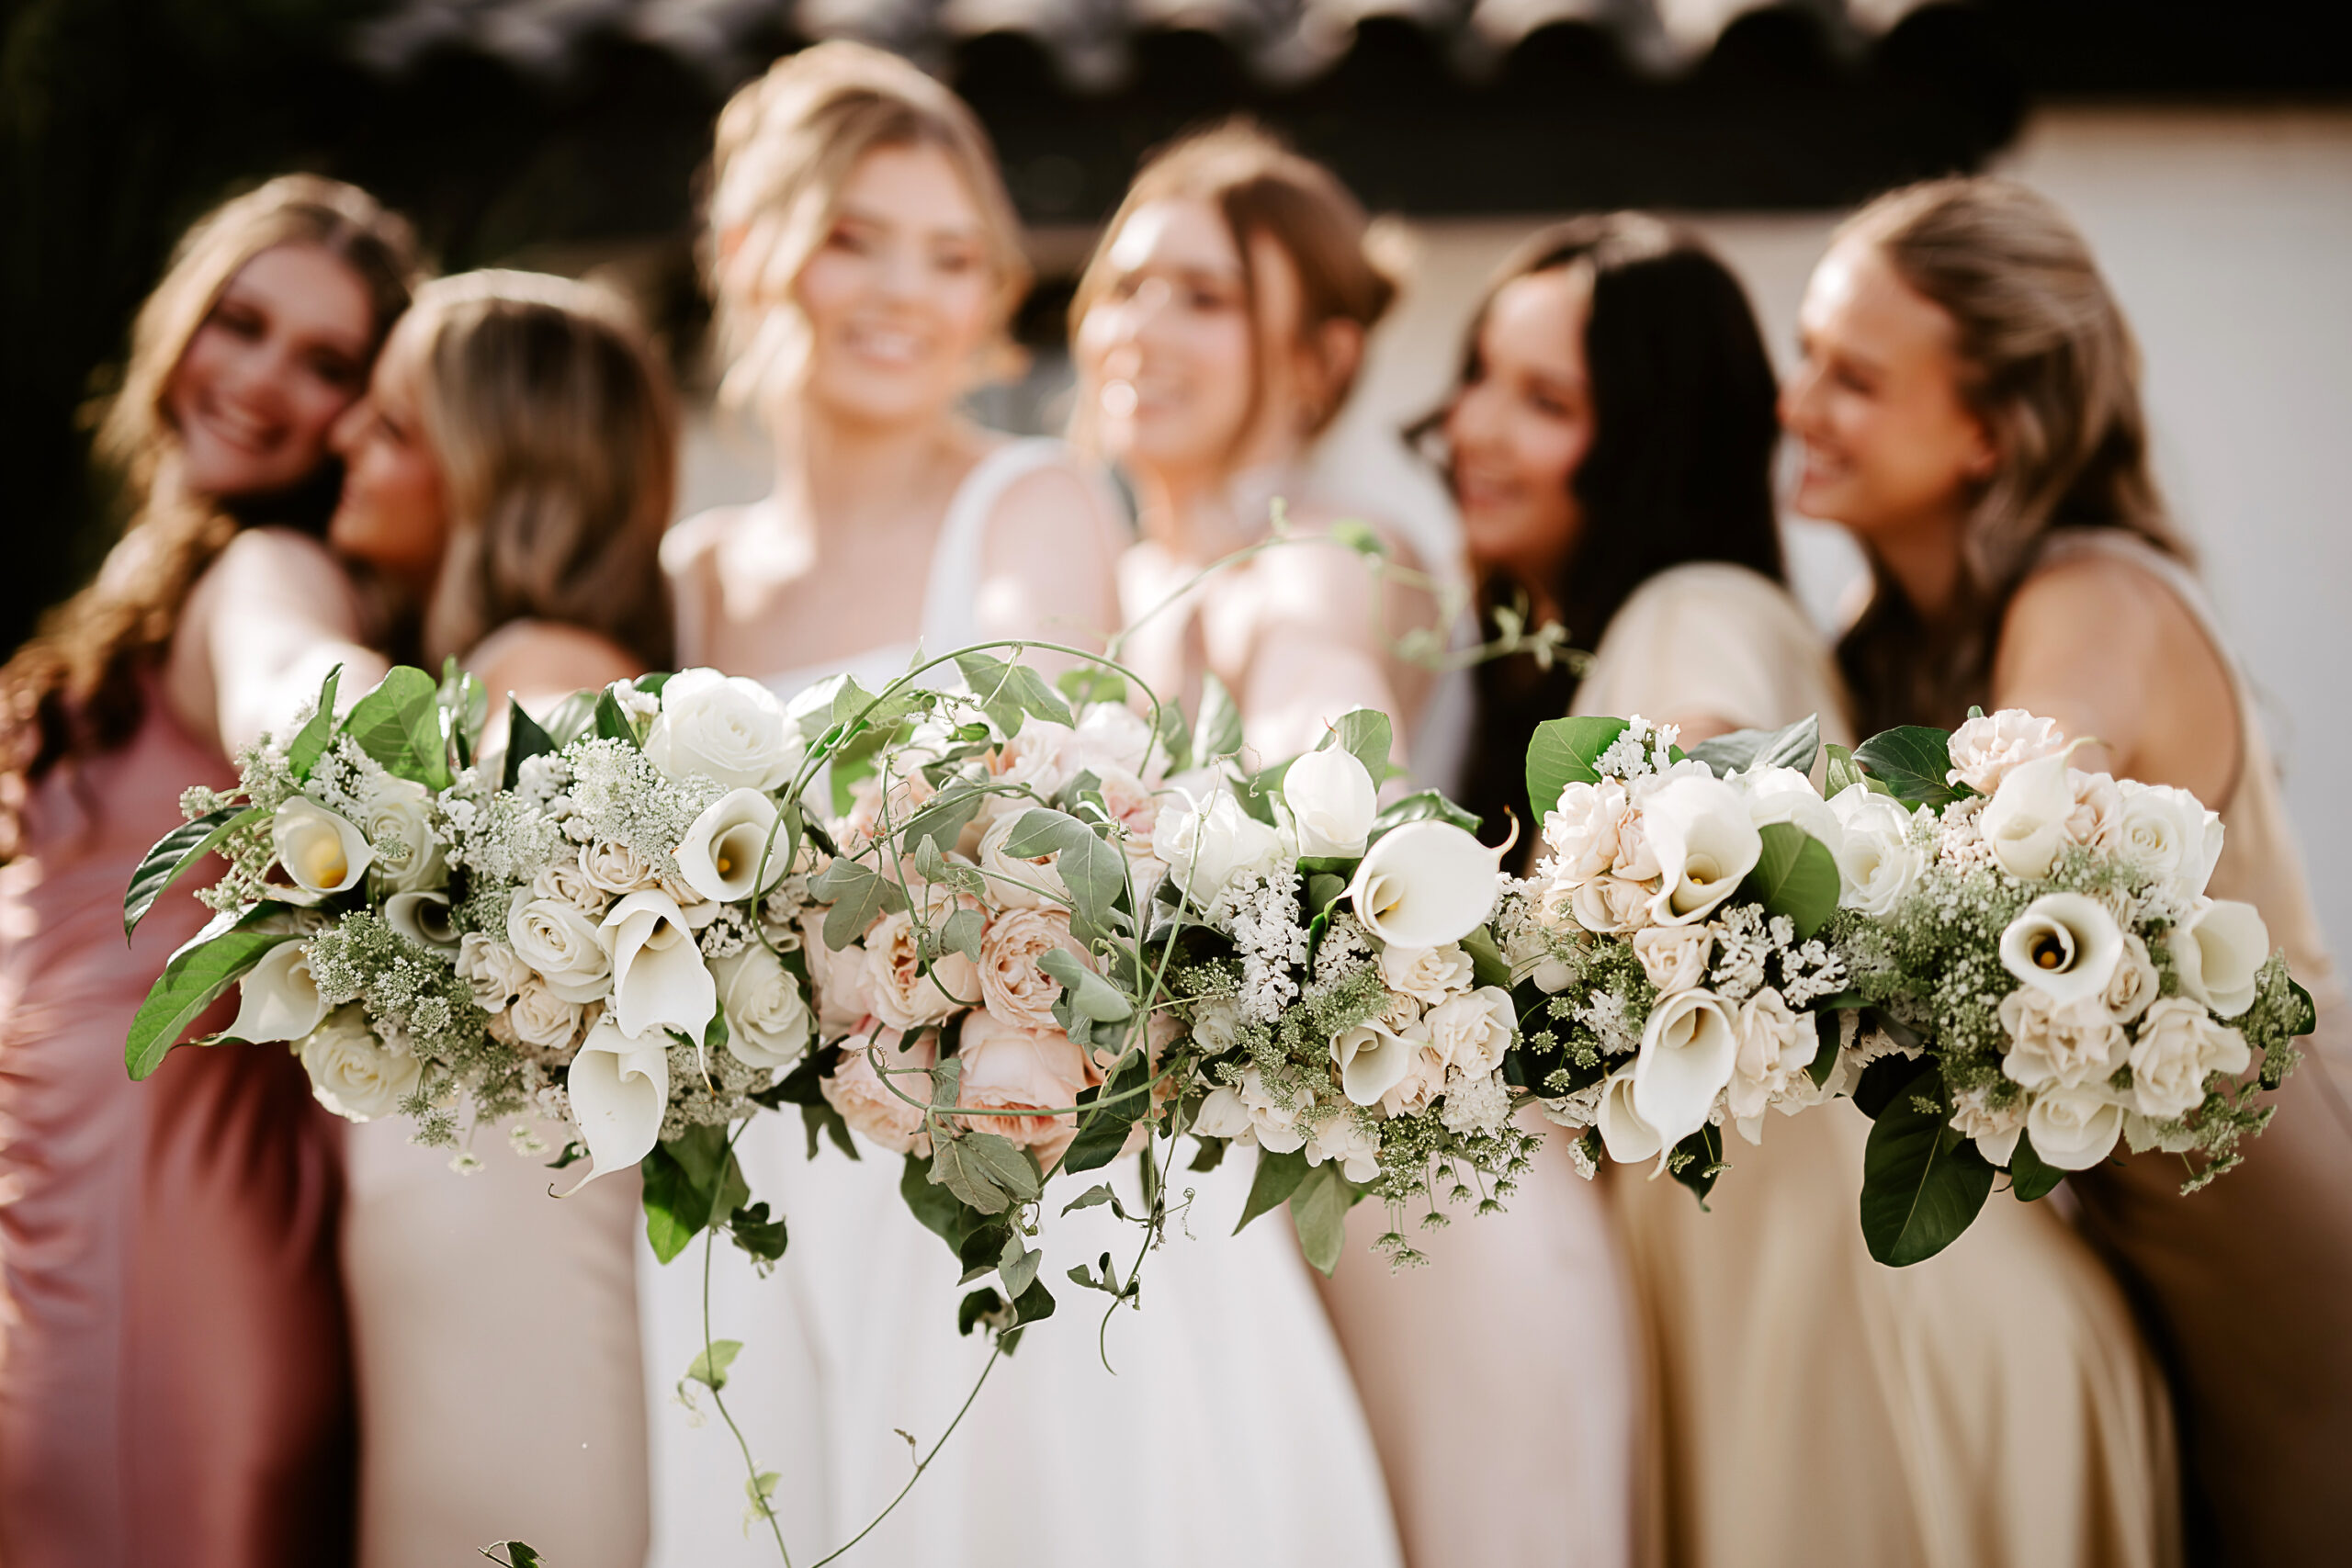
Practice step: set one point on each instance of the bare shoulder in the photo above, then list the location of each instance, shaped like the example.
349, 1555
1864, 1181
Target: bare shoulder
540, 659
277, 575
692, 540
1058, 504
2096, 606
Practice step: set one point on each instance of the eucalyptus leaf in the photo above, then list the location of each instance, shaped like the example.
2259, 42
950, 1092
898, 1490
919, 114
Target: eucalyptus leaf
212, 962
1912, 762
1796, 875
174, 853
1562, 753
1922, 1181
1319, 1209
1794, 747
1217, 731
399, 724
309, 742
2031, 1176
1278, 1176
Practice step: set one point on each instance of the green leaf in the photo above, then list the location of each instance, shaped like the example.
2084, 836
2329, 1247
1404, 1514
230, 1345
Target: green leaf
174, 853
820, 1119
1091, 867
1364, 734
1487, 965
517, 1555
710, 1364
1102, 1133
612, 722
1217, 732
1089, 992
1098, 1193
524, 741
1319, 1209
943, 818
1794, 747
1922, 1181
1796, 875
961, 933
569, 719
1912, 763
1175, 741
2305, 1018
980, 1308
1089, 683
1018, 1265
690, 1182
399, 724
1278, 1176
208, 963
1842, 774
763, 1238
309, 742
2029, 1175
1424, 805
1006, 690
859, 895
986, 1171
1562, 753
938, 1208
1705, 1149
1827, 1034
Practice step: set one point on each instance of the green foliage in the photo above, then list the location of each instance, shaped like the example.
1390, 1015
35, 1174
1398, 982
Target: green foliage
1923, 1182
1102, 1133
1794, 747
1091, 683
1088, 992
517, 1555
611, 722
1698, 1160
1318, 1208
2029, 1175
756, 1233
1366, 735
174, 853
399, 724
1843, 772
710, 1364
1278, 1176
986, 1171
1423, 806
1796, 875
309, 742
1562, 753
690, 1181
1007, 690
524, 739
1487, 965
1089, 865
1912, 762
1217, 732
941, 1211
215, 959
859, 894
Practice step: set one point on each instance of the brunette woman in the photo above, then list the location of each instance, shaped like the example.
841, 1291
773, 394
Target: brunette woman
1969, 408
175, 1386
513, 461
1611, 443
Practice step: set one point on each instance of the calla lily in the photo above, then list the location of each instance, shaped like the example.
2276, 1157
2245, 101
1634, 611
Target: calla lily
1425, 884
1332, 800
1628, 1138
1705, 844
423, 918
2025, 822
1687, 1055
620, 1088
2064, 944
659, 978
1371, 1060
2217, 953
322, 851
721, 854
278, 1000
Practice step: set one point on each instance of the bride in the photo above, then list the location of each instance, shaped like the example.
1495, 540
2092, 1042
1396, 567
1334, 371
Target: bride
865, 262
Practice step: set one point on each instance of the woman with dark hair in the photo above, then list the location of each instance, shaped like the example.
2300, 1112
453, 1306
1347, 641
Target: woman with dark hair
1970, 408
1610, 446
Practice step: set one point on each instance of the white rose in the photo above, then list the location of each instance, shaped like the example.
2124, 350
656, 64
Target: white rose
1877, 865
620, 1090
2179, 1043
563, 944
1689, 1049
2025, 822
1425, 884
1674, 957
2169, 834
725, 729
1984, 749
1210, 843
278, 1000
2073, 1129
2069, 1043
2217, 952
541, 1018
2135, 982
2065, 945
1428, 974
768, 1024
566, 881
352, 1072
615, 868
1017, 883
1776, 1046
1628, 1138
1355, 1147
1785, 794
1698, 828
659, 978
1471, 1033
1217, 1023
495, 971
401, 811
1110, 737
1332, 798
1582, 829
322, 851
423, 918
1610, 906
733, 850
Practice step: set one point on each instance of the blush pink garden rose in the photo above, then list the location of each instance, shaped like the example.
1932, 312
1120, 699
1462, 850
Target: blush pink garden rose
1012, 987
865, 1102
1982, 750
1008, 1067
844, 1000
904, 993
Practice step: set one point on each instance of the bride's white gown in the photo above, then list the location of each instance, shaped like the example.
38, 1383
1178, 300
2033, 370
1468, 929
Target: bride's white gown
1230, 1433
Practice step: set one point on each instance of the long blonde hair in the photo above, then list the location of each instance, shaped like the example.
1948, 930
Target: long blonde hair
787, 143
2049, 366
555, 429
78, 686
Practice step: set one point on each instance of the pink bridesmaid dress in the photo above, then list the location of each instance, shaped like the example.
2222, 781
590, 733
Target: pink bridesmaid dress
174, 1371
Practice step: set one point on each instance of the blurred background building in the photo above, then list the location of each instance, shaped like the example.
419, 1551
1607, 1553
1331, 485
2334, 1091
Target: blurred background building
2206, 149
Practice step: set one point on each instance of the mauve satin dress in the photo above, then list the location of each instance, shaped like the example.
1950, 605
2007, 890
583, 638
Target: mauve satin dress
174, 1370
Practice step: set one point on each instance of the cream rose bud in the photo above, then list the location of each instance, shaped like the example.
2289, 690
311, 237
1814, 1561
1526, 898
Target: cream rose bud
1471, 1033
351, 1073
1008, 1067
1210, 843
2219, 953
1222, 1114
540, 1018
2073, 1129
768, 1025
1877, 865
563, 946
734, 849
1012, 987
619, 1085
566, 880
1332, 800
1582, 829
2169, 834
398, 824
1984, 749
2135, 982
2065, 945
494, 971
1343, 1139
659, 978
2179, 1043
278, 1000
1688, 1052
322, 851
1425, 884
2025, 822
867, 1104
1785, 794
1627, 1138
2055, 1042
1674, 957
1014, 882
1698, 828
1776, 1046
1610, 906
725, 729
1428, 974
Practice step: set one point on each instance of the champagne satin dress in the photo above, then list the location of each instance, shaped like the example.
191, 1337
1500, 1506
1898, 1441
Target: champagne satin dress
175, 1381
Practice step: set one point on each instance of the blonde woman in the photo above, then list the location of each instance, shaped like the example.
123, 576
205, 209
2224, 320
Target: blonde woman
514, 460
175, 1381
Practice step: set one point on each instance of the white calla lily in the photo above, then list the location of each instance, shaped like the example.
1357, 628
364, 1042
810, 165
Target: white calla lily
620, 1088
2065, 945
1705, 843
278, 1000
1628, 1138
320, 849
721, 855
2218, 951
1425, 884
2025, 822
659, 978
423, 918
1687, 1055
1332, 800
1372, 1061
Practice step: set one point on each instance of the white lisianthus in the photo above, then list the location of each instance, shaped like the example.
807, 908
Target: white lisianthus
2073, 1129
1674, 957
351, 1073
1984, 749
563, 944
1016, 883
2065, 945
2025, 822
2135, 982
1275, 1126
1582, 829
1210, 843
1688, 1052
1354, 1146
1878, 864
1698, 828
722, 854
2169, 834
1776, 1046
541, 1018
278, 1000
1471, 1033
728, 729
1372, 1061
1332, 800
423, 918
1425, 884
399, 811
1628, 1138
1785, 794
323, 852
1428, 974
2179, 1043
659, 978
620, 1089
2217, 952
2069, 1043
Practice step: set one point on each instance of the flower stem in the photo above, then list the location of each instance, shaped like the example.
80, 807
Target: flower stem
995, 1355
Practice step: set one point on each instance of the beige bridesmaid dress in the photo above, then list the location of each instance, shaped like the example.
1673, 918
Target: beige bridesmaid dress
1993, 1407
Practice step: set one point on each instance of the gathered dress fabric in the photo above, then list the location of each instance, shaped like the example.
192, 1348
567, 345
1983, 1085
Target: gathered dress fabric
1227, 1390
2247, 1283
1992, 1407
174, 1374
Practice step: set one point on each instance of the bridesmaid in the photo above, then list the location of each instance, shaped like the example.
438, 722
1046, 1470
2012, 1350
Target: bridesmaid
1970, 410
1218, 330
513, 464
1610, 443
175, 1386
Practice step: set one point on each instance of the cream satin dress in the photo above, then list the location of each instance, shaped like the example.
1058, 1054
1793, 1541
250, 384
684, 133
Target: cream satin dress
1992, 1407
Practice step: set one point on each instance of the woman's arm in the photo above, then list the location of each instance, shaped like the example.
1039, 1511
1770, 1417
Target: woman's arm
1049, 565
1325, 643
261, 630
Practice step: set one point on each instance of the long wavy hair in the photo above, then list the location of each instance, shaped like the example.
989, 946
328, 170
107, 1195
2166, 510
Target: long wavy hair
2049, 366
78, 686
1680, 469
